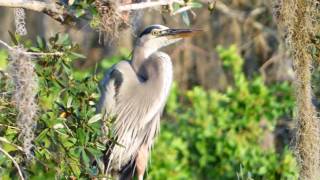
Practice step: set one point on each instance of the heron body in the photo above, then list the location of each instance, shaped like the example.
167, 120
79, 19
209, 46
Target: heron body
134, 95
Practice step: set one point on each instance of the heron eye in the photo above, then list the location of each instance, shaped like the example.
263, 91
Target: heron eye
155, 33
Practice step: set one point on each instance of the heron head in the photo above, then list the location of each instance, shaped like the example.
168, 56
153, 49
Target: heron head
157, 36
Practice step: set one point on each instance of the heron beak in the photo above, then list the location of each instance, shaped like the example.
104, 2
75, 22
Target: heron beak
180, 33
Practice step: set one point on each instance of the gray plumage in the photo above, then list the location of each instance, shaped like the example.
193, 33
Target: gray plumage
134, 95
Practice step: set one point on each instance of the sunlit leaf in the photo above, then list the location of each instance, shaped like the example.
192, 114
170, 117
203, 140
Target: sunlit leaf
58, 126
80, 12
95, 118
69, 102
42, 135
185, 18
195, 5
78, 55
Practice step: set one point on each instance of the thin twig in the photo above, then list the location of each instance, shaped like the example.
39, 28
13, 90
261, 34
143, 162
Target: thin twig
11, 127
6, 45
270, 61
44, 54
150, 4
14, 162
31, 53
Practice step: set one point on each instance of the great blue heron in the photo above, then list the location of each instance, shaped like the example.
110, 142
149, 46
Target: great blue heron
133, 95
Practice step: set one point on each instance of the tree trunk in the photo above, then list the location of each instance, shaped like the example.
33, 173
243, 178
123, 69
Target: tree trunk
297, 17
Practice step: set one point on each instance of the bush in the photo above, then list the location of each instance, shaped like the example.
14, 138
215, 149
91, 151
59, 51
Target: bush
66, 133
68, 128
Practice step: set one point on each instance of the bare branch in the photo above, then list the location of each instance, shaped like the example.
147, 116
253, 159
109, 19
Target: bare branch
31, 53
43, 53
11, 127
14, 162
33, 5
150, 4
6, 45
53, 10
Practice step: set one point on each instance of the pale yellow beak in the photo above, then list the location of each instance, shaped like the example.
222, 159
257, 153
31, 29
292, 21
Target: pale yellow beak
180, 33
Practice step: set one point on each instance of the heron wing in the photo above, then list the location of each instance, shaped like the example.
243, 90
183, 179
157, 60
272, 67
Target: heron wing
136, 106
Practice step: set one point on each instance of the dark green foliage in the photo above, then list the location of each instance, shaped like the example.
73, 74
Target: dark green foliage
67, 130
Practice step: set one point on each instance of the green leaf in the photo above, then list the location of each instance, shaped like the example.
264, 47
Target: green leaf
60, 83
176, 6
14, 38
185, 18
95, 118
69, 102
8, 147
78, 55
63, 39
35, 49
85, 158
95, 152
69, 143
195, 5
42, 135
41, 42
11, 131
75, 166
80, 12
81, 136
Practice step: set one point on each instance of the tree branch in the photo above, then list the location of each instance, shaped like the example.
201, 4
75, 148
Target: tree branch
53, 10
31, 53
38, 6
14, 162
150, 4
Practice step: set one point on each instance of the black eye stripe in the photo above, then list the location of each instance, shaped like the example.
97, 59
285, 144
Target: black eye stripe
148, 30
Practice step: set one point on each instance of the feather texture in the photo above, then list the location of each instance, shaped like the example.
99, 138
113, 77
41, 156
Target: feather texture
135, 100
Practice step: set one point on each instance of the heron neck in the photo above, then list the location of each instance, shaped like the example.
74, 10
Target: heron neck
140, 55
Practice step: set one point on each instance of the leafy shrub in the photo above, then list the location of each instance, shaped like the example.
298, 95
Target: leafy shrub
66, 135
218, 135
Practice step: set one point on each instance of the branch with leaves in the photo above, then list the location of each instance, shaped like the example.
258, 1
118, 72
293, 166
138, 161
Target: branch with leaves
14, 162
61, 14
31, 53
